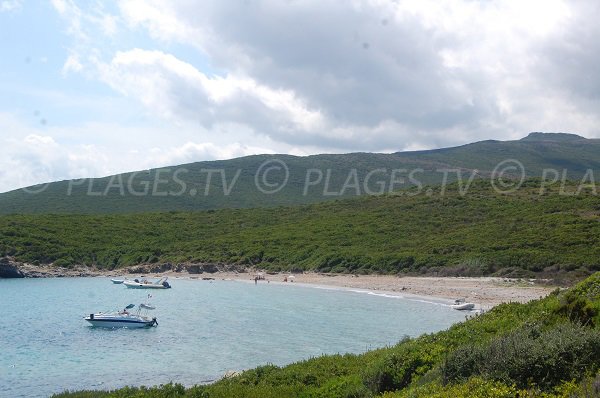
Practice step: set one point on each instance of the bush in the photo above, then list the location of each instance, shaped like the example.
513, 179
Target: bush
577, 309
342, 387
562, 353
398, 368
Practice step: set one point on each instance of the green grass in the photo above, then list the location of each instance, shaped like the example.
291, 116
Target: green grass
184, 186
480, 233
538, 350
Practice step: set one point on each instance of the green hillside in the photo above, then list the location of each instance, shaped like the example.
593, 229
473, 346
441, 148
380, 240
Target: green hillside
473, 232
547, 348
233, 183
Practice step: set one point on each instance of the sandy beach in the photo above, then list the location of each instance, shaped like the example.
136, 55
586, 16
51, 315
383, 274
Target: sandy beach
486, 292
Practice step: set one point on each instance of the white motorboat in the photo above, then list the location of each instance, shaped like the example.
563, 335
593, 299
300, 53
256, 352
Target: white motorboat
117, 281
123, 319
145, 284
462, 305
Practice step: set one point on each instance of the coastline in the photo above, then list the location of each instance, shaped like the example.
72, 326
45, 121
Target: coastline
485, 292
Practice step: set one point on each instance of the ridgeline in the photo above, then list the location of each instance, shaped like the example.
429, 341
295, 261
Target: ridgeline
283, 180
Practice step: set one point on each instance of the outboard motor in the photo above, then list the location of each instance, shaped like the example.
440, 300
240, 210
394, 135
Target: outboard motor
91, 316
154, 322
166, 284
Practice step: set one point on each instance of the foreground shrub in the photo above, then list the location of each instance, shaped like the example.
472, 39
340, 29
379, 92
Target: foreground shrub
473, 388
577, 308
401, 366
529, 356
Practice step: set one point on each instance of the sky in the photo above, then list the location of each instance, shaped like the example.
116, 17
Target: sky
93, 88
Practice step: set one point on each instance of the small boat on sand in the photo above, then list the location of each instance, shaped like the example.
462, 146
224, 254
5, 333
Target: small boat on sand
462, 305
145, 284
124, 318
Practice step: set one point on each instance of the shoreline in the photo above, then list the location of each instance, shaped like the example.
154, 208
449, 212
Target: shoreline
485, 292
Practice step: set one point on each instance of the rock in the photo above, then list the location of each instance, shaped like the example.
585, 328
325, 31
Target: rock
211, 268
231, 373
194, 268
160, 268
201, 268
9, 269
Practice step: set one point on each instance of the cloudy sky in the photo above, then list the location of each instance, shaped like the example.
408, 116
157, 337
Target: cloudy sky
93, 88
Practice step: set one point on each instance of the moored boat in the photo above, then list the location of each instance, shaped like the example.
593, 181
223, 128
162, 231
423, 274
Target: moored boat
145, 284
462, 305
117, 281
123, 319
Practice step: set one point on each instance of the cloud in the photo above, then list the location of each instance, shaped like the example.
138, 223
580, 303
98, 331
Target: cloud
178, 91
223, 79
34, 155
432, 69
10, 5
72, 64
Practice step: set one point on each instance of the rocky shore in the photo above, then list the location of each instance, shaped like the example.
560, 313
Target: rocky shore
10, 268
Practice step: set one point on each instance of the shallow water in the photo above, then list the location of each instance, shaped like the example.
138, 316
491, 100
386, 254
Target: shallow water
205, 329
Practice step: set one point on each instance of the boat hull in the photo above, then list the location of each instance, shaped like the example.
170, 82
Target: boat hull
117, 281
135, 285
463, 307
133, 323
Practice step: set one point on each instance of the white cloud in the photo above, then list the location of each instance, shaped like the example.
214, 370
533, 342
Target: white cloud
10, 5
429, 67
178, 91
72, 64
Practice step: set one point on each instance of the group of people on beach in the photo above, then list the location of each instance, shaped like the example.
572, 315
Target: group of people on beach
261, 277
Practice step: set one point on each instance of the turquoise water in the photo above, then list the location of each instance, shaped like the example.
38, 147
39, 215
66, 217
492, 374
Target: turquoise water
205, 329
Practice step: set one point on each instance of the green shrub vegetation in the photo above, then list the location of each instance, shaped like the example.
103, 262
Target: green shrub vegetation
479, 233
188, 187
525, 350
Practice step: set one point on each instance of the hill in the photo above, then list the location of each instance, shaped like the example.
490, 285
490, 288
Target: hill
546, 348
475, 231
282, 180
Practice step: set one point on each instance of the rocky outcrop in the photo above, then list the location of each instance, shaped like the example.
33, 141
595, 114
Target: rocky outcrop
202, 268
9, 268
191, 268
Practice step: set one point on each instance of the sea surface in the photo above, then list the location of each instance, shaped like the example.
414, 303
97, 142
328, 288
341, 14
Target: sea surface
205, 328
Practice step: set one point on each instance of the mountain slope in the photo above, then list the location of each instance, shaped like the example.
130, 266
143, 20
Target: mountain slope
274, 180
480, 232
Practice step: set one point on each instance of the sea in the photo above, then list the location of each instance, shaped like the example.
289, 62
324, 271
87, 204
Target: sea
205, 329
